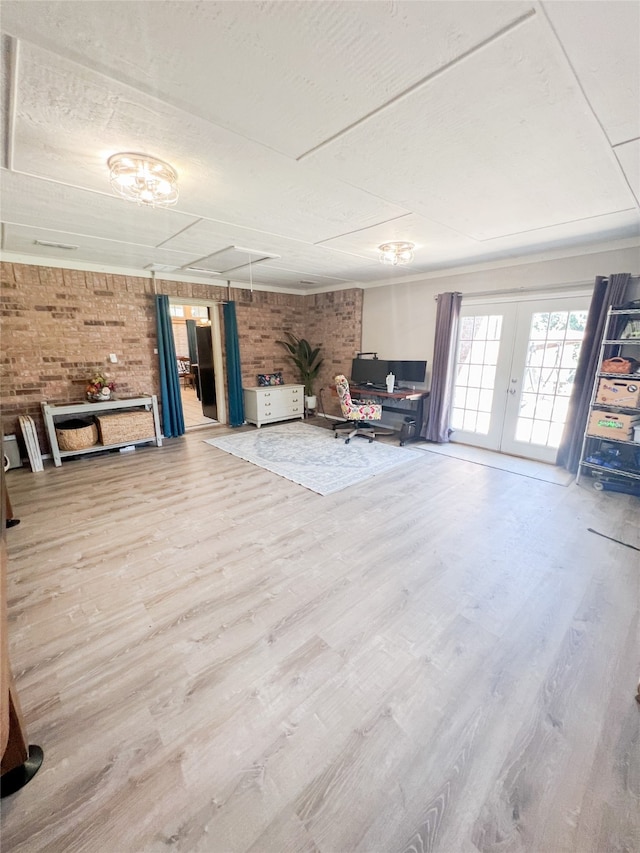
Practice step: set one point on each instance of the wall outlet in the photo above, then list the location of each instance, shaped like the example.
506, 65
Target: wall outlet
113, 358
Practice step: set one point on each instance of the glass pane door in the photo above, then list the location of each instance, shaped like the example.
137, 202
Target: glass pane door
514, 375
481, 374
543, 371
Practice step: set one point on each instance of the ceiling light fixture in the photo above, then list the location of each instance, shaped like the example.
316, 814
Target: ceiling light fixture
396, 253
143, 179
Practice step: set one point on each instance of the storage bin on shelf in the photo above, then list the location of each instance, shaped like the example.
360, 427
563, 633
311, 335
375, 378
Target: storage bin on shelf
125, 426
619, 392
612, 425
76, 434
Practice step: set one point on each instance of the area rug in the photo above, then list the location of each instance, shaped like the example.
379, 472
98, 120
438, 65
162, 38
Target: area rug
311, 456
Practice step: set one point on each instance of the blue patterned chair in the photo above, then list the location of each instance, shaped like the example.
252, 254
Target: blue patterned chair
357, 414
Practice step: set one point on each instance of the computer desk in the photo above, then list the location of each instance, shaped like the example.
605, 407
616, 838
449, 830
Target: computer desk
398, 394
415, 412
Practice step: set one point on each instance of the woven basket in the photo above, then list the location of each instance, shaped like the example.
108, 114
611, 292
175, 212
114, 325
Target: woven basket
126, 426
76, 434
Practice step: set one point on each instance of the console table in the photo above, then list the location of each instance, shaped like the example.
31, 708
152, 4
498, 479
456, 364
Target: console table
265, 404
51, 413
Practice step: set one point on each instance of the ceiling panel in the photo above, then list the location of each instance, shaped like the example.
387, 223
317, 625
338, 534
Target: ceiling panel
474, 129
48, 204
427, 236
287, 74
601, 42
629, 157
70, 120
267, 274
433, 251
233, 257
505, 145
358, 263
93, 250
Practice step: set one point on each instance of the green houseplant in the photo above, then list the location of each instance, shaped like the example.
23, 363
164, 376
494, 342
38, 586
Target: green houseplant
307, 361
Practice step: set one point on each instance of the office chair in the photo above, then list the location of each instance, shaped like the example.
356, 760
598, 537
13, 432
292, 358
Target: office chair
357, 414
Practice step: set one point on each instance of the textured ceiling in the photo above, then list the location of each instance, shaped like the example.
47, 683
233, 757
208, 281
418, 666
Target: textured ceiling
314, 131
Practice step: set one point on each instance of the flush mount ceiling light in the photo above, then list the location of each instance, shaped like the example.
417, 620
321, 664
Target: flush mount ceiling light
396, 253
143, 179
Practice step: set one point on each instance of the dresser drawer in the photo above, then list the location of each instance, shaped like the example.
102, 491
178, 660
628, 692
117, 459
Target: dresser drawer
279, 403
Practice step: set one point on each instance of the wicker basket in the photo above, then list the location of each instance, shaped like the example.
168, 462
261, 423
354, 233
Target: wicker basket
126, 426
76, 434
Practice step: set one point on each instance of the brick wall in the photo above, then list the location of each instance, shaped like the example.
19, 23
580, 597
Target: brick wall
58, 326
334, 321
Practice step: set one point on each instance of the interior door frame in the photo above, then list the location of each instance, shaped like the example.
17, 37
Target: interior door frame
216, 343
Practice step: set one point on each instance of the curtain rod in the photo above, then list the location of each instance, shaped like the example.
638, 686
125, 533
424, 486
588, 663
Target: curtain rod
523, 290
547, 288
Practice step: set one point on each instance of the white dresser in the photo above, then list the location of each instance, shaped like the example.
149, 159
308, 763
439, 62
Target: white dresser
263, 405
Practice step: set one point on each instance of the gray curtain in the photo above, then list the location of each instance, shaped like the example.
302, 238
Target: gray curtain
606, 292
436, 426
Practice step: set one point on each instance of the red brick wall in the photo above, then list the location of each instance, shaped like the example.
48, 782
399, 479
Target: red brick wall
334, 321
59, 326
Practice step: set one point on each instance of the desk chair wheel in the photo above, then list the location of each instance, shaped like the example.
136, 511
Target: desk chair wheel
347, 440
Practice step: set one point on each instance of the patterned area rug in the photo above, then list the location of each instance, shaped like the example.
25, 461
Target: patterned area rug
311, 456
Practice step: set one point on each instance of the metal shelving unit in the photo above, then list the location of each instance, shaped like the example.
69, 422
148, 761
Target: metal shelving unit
622, 452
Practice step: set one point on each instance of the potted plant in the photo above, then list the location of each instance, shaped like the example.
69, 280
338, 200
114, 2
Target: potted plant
308, 363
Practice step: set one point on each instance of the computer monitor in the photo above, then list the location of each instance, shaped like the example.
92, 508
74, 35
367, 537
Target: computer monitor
369, 371
408, 371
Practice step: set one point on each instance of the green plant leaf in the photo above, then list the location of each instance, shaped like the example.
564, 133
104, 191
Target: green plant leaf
304, 357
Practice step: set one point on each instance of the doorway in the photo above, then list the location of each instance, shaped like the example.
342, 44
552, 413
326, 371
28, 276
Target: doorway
197, 339
514, 374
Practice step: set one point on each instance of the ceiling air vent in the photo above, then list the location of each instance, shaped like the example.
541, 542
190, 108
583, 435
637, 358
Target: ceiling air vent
55, 245
231, 258
161, 267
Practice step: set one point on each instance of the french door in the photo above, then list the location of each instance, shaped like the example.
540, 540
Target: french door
514, 374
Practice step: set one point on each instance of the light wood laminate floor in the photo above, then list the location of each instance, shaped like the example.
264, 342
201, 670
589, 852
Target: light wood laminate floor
214, 659
192, 409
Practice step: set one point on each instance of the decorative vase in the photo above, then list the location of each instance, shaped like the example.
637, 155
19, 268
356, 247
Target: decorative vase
100, 397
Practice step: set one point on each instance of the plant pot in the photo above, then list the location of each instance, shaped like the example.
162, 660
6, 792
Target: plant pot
310, 402
101, 396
